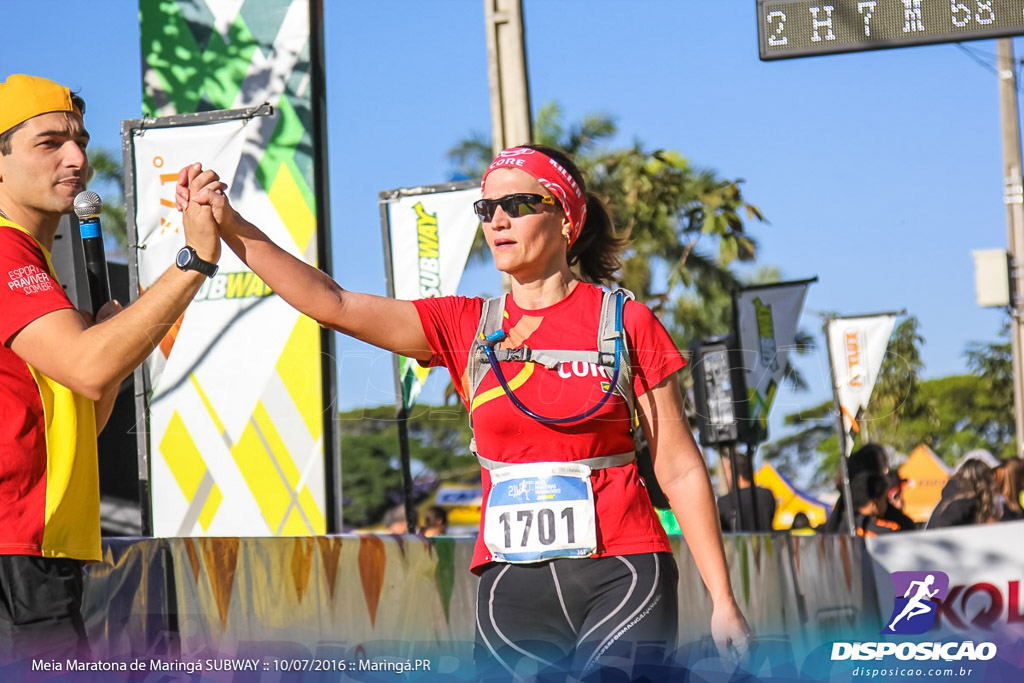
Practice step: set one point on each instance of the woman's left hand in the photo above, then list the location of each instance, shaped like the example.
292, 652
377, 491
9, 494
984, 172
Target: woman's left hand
730, 631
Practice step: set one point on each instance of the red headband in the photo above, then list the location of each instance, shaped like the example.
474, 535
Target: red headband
555, 179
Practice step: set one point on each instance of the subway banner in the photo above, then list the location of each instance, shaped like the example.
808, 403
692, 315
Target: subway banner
857, 345
428, 232
766, 318
240, 441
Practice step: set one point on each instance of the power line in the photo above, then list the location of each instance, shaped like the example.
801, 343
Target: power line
986, 64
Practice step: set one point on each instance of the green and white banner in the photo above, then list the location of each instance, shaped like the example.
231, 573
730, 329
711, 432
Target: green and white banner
237, 436
766, 322
430, 232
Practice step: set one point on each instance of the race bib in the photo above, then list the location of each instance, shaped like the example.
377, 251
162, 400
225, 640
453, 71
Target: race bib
538, 511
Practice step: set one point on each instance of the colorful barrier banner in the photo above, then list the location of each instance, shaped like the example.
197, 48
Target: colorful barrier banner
429, 232
857, 345
401, 598
400, 607
237, 427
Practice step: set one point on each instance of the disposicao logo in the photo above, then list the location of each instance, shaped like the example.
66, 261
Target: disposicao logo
917, 598
918, 595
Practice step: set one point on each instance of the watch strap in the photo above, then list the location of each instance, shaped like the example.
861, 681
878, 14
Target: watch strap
197, 264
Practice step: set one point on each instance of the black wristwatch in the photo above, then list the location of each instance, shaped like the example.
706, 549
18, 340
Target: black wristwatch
188, 259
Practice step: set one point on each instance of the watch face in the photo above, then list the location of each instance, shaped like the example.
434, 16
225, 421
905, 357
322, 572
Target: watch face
183, 258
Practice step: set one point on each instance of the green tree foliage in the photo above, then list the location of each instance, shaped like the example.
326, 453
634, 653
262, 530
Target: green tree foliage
813, 448
108, 182
951, 415
687, 225
371, 474
896, 396
960, 419
992, 364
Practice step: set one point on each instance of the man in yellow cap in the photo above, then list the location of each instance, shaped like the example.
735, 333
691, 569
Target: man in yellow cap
59, 372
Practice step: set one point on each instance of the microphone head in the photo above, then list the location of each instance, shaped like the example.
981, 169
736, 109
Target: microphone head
87, 205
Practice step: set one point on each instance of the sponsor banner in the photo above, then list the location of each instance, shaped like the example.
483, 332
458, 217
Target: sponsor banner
858, 346
766, 321
236, 436
949, 608
974, 592
430, 237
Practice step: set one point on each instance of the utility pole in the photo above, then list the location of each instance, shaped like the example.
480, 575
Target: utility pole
1014, 199
510, 87
837, 406
506, 73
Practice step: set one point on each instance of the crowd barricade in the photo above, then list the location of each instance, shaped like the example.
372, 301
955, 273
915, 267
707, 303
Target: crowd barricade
352, 594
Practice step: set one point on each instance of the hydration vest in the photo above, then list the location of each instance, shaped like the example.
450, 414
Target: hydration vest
491, 317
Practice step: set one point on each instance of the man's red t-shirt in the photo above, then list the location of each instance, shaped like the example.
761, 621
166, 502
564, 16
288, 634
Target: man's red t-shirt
626, 521
49, 479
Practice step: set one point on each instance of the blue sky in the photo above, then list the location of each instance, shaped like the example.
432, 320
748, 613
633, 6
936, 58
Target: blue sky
879, 172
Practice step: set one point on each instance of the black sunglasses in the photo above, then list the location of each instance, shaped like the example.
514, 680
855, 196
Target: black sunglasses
515, 205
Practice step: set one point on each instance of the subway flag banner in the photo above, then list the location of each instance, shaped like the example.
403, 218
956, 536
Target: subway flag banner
430, 234
236, 411
766, 319
857, 346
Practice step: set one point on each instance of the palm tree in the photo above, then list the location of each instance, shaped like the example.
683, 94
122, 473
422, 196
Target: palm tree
667, 208
108, 175
687, 226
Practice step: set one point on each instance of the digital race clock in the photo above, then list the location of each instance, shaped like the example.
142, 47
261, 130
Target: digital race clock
803, 28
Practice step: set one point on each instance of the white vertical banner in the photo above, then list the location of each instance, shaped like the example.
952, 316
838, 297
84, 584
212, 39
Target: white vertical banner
235, 411
430, 233
766, 321
857, 345
159, 154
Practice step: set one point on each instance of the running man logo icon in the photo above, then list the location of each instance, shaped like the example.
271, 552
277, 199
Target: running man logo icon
917, 597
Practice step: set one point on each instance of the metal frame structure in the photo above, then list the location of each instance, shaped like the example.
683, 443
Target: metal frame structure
386, 198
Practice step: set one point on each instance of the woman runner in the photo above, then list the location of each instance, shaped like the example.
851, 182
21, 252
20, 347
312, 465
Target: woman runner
576, 572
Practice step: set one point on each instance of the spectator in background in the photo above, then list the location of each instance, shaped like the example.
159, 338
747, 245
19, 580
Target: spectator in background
868, 458
969, 497
894, 497
870, 502
801, 525
1009, 476
756, 510
394, 520
435, 522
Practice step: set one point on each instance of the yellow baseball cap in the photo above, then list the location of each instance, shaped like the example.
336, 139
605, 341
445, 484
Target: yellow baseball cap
22, 97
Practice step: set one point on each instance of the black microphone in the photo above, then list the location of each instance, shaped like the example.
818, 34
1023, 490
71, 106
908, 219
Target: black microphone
87, 207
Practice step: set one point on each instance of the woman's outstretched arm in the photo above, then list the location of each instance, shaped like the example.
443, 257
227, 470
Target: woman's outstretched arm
390, 324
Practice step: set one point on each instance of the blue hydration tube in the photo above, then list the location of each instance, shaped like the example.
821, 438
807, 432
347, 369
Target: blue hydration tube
496, 337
